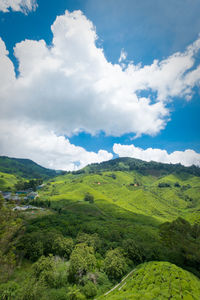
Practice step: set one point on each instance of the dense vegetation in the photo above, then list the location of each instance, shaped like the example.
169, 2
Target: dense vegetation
143, 167
24, 168
95, 227
157, 280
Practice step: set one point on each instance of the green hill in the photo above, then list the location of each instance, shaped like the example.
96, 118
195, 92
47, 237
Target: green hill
93, 226
143, 167
24, 167
7, 181
164, 198
157, 280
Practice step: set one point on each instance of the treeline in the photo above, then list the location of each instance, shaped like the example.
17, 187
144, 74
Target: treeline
143, 167
26, 185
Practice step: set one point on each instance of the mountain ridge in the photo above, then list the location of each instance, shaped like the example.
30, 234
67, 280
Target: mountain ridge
24, 168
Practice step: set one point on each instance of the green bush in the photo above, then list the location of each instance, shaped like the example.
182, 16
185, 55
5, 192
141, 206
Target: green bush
115, 264
57, 294
90, 290
88, 197
75, 294
9, 291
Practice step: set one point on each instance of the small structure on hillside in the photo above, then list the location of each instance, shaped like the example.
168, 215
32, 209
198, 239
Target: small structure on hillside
7, 195
32, 195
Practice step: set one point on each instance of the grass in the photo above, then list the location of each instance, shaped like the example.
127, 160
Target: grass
7, 181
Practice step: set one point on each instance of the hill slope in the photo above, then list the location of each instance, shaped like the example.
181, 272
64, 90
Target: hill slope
143, 167
164, 198
157, 280
24, 168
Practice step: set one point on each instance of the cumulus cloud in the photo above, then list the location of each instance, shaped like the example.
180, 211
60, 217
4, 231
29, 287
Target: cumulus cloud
24, 6
70, 86
186, 158
45, 147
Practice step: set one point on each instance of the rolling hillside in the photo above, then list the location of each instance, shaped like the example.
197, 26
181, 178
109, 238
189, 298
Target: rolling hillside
7, 181
143, 167
157, 280
24, 168
163, 198
92, 227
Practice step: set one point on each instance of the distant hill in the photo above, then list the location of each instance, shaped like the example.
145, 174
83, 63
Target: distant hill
164, 197
145, 168
24, 168
157, 280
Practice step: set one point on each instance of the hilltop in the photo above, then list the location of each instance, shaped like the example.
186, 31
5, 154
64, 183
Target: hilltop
24, 168
145, 168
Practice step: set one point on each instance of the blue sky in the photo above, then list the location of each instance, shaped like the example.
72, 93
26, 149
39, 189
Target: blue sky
145, 31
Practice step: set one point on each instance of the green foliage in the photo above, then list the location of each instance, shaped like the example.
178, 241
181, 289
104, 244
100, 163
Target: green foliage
32, 289
62, 246
88, 197
9, 291
143, 167
56, 294
115, 264
89, 290
30, 184
24, 168
35, 244
163, 184
133, 251
183, 240
75, 294
157, 280
126, 216
92, 240
82, 260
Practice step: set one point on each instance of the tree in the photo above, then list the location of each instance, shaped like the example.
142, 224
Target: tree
88, 197
183, 241
82, 260
115, 264
92, 240
133, 251
90, 290
74, 293
62, 246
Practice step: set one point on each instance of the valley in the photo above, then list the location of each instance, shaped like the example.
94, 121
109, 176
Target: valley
84, 231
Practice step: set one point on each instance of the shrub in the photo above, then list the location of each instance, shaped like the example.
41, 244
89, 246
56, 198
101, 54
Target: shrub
88, 197
9, 290
90, 290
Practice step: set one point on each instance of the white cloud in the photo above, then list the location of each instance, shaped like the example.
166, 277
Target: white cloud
70, 86
18, 5
186, 158
44, 147
123, 56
